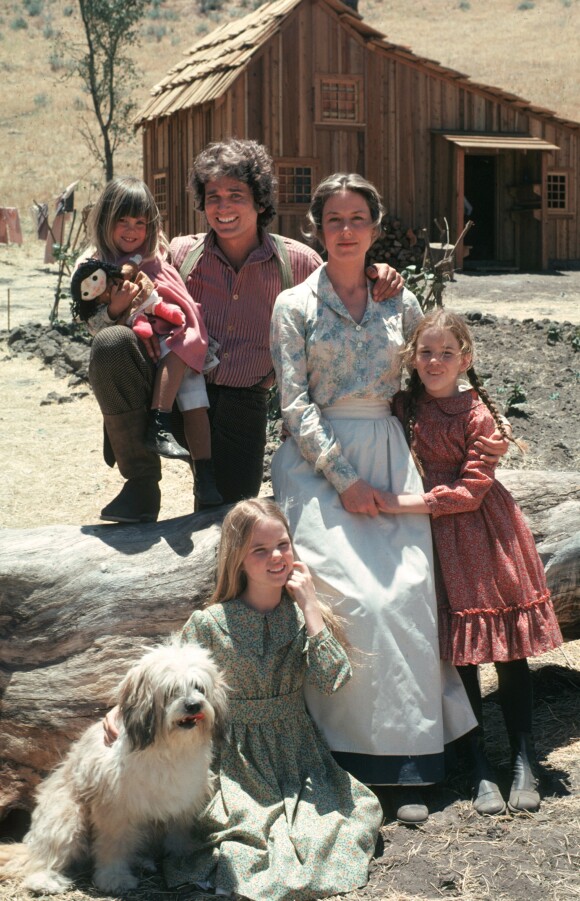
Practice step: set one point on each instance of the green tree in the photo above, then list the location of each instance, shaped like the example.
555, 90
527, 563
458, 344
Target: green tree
111, 28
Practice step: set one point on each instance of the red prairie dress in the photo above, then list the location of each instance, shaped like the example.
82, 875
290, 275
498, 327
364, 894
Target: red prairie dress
493, 601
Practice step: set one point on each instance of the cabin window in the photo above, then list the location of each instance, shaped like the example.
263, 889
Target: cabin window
557, 191
160, 193
295, 183
339, 100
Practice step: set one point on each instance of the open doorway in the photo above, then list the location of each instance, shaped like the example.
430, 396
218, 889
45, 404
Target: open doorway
480, 206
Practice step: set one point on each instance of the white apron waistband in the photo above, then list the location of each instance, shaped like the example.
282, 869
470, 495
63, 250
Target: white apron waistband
358, 409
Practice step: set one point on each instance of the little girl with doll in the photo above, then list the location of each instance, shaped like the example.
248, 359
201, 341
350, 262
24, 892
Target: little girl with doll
125, 226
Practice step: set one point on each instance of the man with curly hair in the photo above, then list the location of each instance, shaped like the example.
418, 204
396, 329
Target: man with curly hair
235, 271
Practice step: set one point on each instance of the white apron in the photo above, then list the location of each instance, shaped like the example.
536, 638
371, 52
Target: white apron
402, 701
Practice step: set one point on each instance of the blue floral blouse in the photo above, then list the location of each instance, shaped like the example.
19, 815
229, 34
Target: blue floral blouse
323, 357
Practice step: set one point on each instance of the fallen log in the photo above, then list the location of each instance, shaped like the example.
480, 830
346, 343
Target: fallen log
77, 606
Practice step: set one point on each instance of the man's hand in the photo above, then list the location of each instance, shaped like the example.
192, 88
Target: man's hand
152, 347
387, 280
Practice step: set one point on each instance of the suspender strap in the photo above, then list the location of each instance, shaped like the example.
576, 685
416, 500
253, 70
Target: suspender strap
282, 258
286, 276
191, 259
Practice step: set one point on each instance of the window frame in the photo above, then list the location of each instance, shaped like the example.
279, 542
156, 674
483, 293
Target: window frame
357, 82
161, 174
567, 209
296, 163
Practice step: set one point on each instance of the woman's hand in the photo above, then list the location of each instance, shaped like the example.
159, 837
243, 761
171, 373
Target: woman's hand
300, 587
111, 726
387, 280
361, 498
492, 449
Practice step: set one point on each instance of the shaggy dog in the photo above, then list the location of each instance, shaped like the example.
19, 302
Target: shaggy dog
105, 805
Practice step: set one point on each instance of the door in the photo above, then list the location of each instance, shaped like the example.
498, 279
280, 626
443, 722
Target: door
480, 193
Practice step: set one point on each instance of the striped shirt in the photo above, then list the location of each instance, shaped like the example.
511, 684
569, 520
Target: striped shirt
237, 306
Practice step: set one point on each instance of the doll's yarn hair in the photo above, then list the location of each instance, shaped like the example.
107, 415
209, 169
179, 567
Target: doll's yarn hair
237, 530
85, 309
125, 196
443, 319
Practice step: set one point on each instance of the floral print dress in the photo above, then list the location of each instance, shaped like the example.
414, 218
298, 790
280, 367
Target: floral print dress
494, 604
286, 822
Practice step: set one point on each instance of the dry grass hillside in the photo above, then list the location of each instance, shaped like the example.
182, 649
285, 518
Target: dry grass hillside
529, 47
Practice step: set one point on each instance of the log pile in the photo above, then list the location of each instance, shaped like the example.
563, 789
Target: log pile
399, 245
77, 605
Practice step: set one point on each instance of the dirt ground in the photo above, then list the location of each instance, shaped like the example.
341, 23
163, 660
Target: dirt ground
527, 329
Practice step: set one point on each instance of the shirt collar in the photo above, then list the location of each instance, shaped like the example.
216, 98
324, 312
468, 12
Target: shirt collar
249, 628
265, 250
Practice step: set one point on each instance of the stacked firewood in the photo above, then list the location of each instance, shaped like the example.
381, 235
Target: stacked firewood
398, 245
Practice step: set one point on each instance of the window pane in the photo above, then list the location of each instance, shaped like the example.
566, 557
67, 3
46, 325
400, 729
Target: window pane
160, 192
294, 184
557, 191
339, 100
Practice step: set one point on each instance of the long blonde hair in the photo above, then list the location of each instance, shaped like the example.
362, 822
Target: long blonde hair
124, 196
444, 319
237, 530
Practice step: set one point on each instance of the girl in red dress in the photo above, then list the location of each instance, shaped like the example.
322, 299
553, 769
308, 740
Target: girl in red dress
494, 604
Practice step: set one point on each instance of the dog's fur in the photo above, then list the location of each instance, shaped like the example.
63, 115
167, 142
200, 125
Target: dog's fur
103, 804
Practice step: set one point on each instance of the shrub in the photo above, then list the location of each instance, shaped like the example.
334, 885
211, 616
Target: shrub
155, 32
56, 62
206, 6
33, 7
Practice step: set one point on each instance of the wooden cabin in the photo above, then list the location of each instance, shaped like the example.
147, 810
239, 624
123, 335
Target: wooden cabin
325, 92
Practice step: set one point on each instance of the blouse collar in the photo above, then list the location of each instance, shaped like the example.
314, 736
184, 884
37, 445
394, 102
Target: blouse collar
320, 284
459, 403
249, 628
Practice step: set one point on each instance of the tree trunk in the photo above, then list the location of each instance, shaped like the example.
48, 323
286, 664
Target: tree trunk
79, 604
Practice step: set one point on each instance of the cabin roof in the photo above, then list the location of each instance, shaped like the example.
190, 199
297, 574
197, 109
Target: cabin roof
212, 64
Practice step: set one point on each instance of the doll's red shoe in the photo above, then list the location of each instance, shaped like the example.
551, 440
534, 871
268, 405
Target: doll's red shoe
169, 312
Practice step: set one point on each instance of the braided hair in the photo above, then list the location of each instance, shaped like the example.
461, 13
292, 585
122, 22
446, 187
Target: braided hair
444, 319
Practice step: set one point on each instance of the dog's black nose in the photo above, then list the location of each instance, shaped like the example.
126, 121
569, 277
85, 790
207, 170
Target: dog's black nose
192, 706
